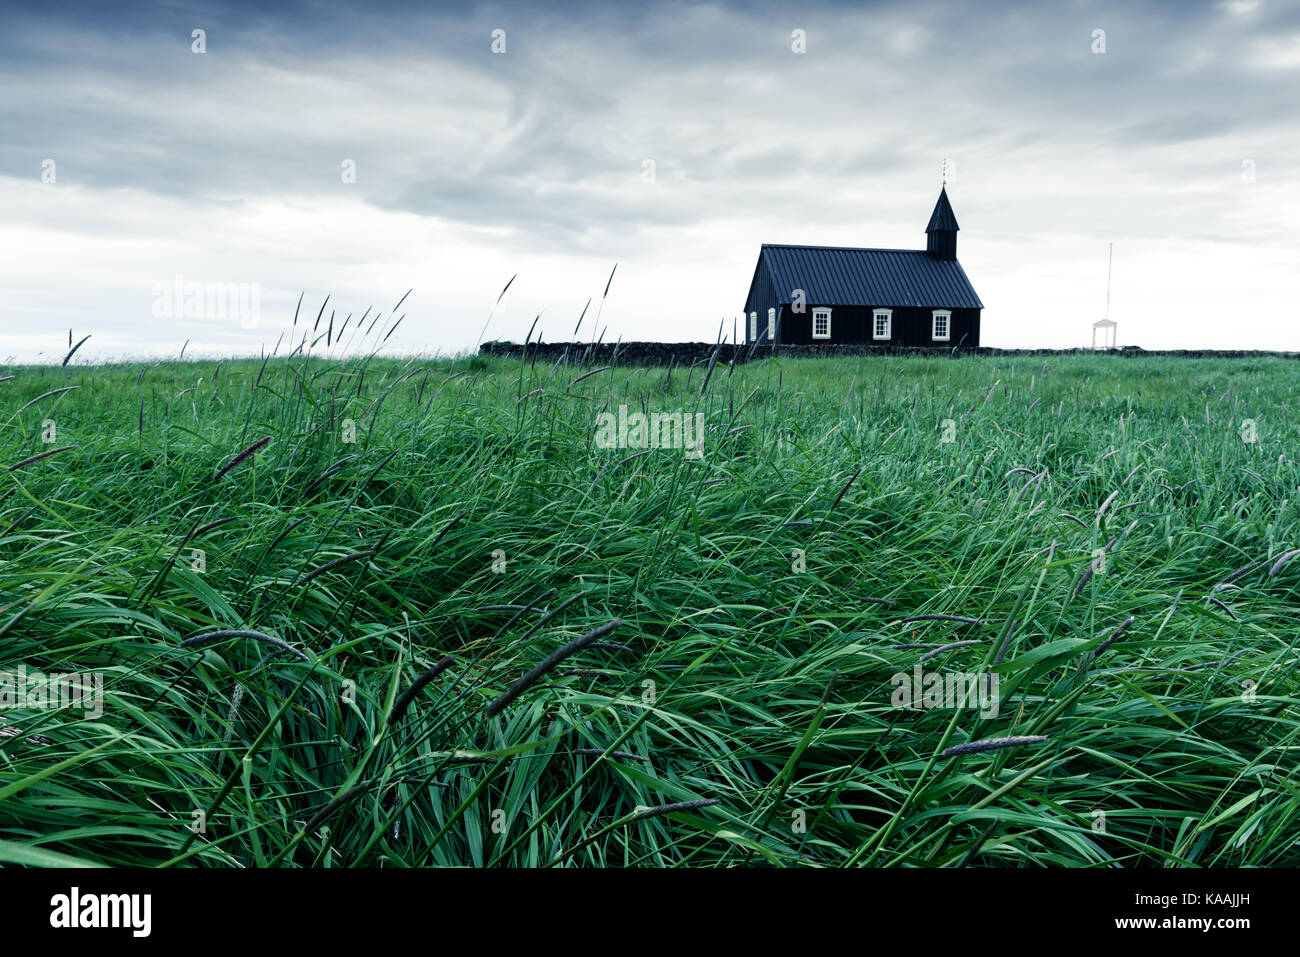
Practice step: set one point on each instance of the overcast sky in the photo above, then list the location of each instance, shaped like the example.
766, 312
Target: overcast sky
671, 138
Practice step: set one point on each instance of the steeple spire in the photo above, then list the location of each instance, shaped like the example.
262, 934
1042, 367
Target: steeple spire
941, 233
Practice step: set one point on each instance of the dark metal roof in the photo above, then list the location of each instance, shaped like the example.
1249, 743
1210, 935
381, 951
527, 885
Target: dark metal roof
943, 216
843, 276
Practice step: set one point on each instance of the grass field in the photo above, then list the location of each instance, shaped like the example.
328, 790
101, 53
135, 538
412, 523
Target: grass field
740, 709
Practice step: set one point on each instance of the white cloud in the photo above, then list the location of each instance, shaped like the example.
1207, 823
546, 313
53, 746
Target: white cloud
470, 168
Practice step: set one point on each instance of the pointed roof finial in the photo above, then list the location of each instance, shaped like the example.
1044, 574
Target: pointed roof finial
944, 173
942, 218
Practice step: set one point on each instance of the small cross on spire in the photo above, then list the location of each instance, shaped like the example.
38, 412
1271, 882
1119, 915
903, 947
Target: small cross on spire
944, 173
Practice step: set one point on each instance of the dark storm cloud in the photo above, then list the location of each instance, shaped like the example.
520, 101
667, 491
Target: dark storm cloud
117, 96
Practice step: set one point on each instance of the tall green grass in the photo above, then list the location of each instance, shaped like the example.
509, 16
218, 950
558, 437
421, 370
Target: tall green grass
741, 712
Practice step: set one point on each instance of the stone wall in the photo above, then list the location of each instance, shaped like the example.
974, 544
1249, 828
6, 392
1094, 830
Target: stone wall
685, 353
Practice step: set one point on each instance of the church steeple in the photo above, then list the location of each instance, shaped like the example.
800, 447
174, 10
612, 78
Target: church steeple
941, 234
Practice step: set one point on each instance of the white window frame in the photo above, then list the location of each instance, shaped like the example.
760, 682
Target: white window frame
876, 316
753, 326
771, 323
821, 312
947, 325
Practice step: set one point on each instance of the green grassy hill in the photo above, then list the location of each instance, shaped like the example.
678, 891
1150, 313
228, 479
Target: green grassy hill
392, 588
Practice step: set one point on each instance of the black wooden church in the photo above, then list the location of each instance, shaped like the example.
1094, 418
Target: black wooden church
886, 297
